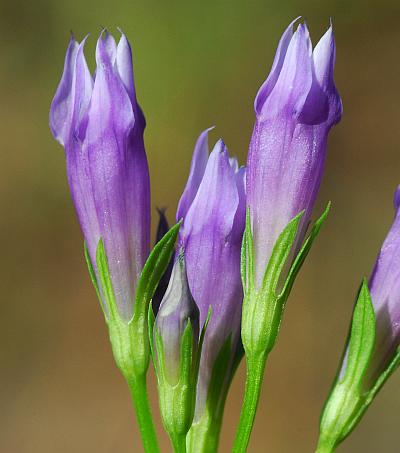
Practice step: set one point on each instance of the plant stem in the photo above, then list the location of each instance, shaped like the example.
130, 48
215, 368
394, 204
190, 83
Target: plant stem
179, 443
138, 388
254, 377
325, 447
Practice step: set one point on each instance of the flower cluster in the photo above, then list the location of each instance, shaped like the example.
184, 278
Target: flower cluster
241, 237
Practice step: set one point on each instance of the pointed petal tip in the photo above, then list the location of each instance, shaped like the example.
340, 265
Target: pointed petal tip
60, 109
106, 48
220, 146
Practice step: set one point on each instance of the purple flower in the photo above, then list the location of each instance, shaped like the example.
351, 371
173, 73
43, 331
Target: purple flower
213, 209
295, 109
100, 125
384, 286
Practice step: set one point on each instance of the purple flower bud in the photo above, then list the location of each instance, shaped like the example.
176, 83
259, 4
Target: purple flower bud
176, 309
213, 208
100, 125
295, 109
384, 285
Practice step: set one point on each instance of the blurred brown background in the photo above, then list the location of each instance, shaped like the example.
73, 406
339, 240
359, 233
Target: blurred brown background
196, 64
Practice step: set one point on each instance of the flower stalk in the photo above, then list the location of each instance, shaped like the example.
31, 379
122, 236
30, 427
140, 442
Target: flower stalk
295, 109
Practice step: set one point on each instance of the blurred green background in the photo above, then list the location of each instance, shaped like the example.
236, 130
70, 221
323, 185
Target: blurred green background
196, 64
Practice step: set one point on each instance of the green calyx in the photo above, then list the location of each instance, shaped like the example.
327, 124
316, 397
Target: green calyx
129, 339
350, 396
263, 307
177, 399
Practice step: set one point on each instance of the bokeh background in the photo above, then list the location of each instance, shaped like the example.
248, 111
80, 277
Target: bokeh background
196, 64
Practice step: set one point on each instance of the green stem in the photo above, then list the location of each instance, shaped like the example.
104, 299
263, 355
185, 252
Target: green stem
179, 443
254, 377
325, 447
138, 389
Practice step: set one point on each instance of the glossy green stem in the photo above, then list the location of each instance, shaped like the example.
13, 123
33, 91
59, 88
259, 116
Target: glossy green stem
255, 366
138, 389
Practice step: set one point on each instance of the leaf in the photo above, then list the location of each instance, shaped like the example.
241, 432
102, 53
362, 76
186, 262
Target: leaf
153, 270
302, 255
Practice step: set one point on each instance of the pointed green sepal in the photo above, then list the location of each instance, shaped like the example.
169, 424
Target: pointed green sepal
362, 339
201, 341
350, 396
278, 258
130, 357
263, 307
345, 404
247, 257
369, 396
302, 255
93, 279
150, 328
152, 272
105, 280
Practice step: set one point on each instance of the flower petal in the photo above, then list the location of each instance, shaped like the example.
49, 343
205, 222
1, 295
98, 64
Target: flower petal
294, 81
268, 85
197, 169
62, 104
324, 61
110, 121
